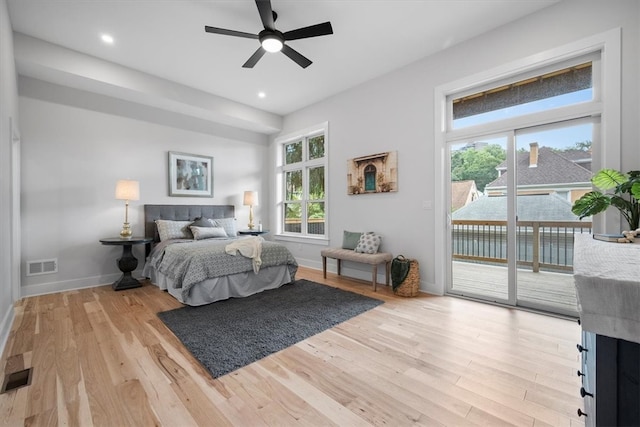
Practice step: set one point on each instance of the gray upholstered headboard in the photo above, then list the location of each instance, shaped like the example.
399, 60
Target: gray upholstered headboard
181, 213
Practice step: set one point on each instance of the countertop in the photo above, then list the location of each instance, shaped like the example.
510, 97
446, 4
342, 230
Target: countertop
607, 279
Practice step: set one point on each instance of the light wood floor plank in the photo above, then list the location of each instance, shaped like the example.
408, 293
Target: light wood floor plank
104, 358
381, 376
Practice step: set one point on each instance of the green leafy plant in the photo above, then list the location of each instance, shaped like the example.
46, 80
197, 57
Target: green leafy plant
625, 196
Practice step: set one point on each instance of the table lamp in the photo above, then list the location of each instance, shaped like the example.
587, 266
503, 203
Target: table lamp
251, 200
127, 190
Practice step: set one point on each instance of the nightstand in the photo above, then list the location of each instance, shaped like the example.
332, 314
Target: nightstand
252, 232
127, 263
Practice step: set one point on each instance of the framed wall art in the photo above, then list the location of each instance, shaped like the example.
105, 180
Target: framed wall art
190, 175
375, 173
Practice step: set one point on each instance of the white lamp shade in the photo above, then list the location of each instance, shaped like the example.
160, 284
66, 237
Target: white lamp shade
127, 190
250, 198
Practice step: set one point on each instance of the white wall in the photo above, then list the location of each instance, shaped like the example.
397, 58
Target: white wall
71, 160
8, 113
395, 112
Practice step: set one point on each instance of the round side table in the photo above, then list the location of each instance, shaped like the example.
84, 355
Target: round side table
127, 262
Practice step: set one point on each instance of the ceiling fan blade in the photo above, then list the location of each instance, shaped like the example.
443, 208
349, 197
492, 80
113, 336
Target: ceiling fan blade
323, 29
266, 14
254, 58
299, 59
222, 31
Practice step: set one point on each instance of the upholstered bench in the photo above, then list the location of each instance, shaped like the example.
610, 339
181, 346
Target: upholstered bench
340, 254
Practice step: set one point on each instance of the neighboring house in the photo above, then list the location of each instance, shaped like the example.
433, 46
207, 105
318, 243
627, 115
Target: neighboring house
542, 170
463, 193
532, 207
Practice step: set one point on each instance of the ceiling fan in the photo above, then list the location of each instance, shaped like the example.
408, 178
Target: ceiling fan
272, 40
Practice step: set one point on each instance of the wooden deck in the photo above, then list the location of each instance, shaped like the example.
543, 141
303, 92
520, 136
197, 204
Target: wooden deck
555, 291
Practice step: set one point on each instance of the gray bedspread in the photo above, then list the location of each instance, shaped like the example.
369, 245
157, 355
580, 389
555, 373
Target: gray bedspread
189, 262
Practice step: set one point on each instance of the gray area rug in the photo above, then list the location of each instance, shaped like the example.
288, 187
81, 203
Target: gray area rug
230, 334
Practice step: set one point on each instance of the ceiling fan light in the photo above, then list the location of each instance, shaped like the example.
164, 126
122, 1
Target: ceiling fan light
271, 44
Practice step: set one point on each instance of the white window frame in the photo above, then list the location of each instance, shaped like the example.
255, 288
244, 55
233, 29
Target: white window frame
305, 165
607, 103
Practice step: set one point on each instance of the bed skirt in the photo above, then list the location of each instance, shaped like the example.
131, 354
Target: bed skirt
220, 288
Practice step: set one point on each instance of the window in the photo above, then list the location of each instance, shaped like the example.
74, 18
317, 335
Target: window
302, 182
552, 89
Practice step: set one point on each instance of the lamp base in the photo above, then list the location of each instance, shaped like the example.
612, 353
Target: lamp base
251, 226
126, 232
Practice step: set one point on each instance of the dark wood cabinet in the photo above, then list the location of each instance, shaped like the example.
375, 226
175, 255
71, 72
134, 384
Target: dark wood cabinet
610, 380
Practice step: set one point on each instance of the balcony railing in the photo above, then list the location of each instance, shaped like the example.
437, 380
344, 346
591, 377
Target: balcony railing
315, 226
541, 244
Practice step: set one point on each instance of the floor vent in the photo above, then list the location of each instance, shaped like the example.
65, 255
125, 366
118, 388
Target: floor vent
42, 266
16, 380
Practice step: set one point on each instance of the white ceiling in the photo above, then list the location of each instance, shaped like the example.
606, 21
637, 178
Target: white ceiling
166, 38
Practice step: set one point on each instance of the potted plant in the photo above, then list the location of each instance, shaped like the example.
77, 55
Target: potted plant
625, 196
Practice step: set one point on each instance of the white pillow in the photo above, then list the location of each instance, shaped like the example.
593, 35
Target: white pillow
229, 225
200, 233
173, 229
369, 243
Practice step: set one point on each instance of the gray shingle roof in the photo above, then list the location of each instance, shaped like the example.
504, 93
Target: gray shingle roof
539, 207
552, 168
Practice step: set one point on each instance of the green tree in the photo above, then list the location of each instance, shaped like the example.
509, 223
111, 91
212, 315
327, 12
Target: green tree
581, 145
478, 165
316, 147
293, 153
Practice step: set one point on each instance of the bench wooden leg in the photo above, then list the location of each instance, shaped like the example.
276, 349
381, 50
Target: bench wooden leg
375, 277
324, 267
388, 273
339, 265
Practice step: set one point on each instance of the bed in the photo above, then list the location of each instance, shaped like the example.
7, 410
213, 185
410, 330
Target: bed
190, 255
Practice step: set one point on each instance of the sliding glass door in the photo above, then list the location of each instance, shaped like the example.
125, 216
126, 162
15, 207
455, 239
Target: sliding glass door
554, 165
479, 231
511, 226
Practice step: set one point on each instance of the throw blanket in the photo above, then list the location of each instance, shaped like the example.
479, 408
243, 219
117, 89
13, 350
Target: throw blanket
251, 247
188, 263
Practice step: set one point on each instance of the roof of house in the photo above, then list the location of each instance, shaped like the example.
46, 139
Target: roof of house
553, 167
578, 156
460, 192
538, 207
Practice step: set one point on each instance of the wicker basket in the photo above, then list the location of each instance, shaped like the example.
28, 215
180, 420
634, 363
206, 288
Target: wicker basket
409, 286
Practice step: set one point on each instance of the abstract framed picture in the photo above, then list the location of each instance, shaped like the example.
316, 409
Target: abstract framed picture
374, 173
190, 175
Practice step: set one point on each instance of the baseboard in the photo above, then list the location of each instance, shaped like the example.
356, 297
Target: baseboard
309, 263
431, 288
90, 282
5, 328
70, 285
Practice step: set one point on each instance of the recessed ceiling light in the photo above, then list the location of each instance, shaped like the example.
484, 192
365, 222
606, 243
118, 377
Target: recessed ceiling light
107, 38
261, 95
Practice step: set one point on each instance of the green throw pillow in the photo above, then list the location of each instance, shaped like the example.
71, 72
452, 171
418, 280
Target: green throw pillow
350, 239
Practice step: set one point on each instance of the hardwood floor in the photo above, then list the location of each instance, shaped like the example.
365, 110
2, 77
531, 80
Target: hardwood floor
104, 358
